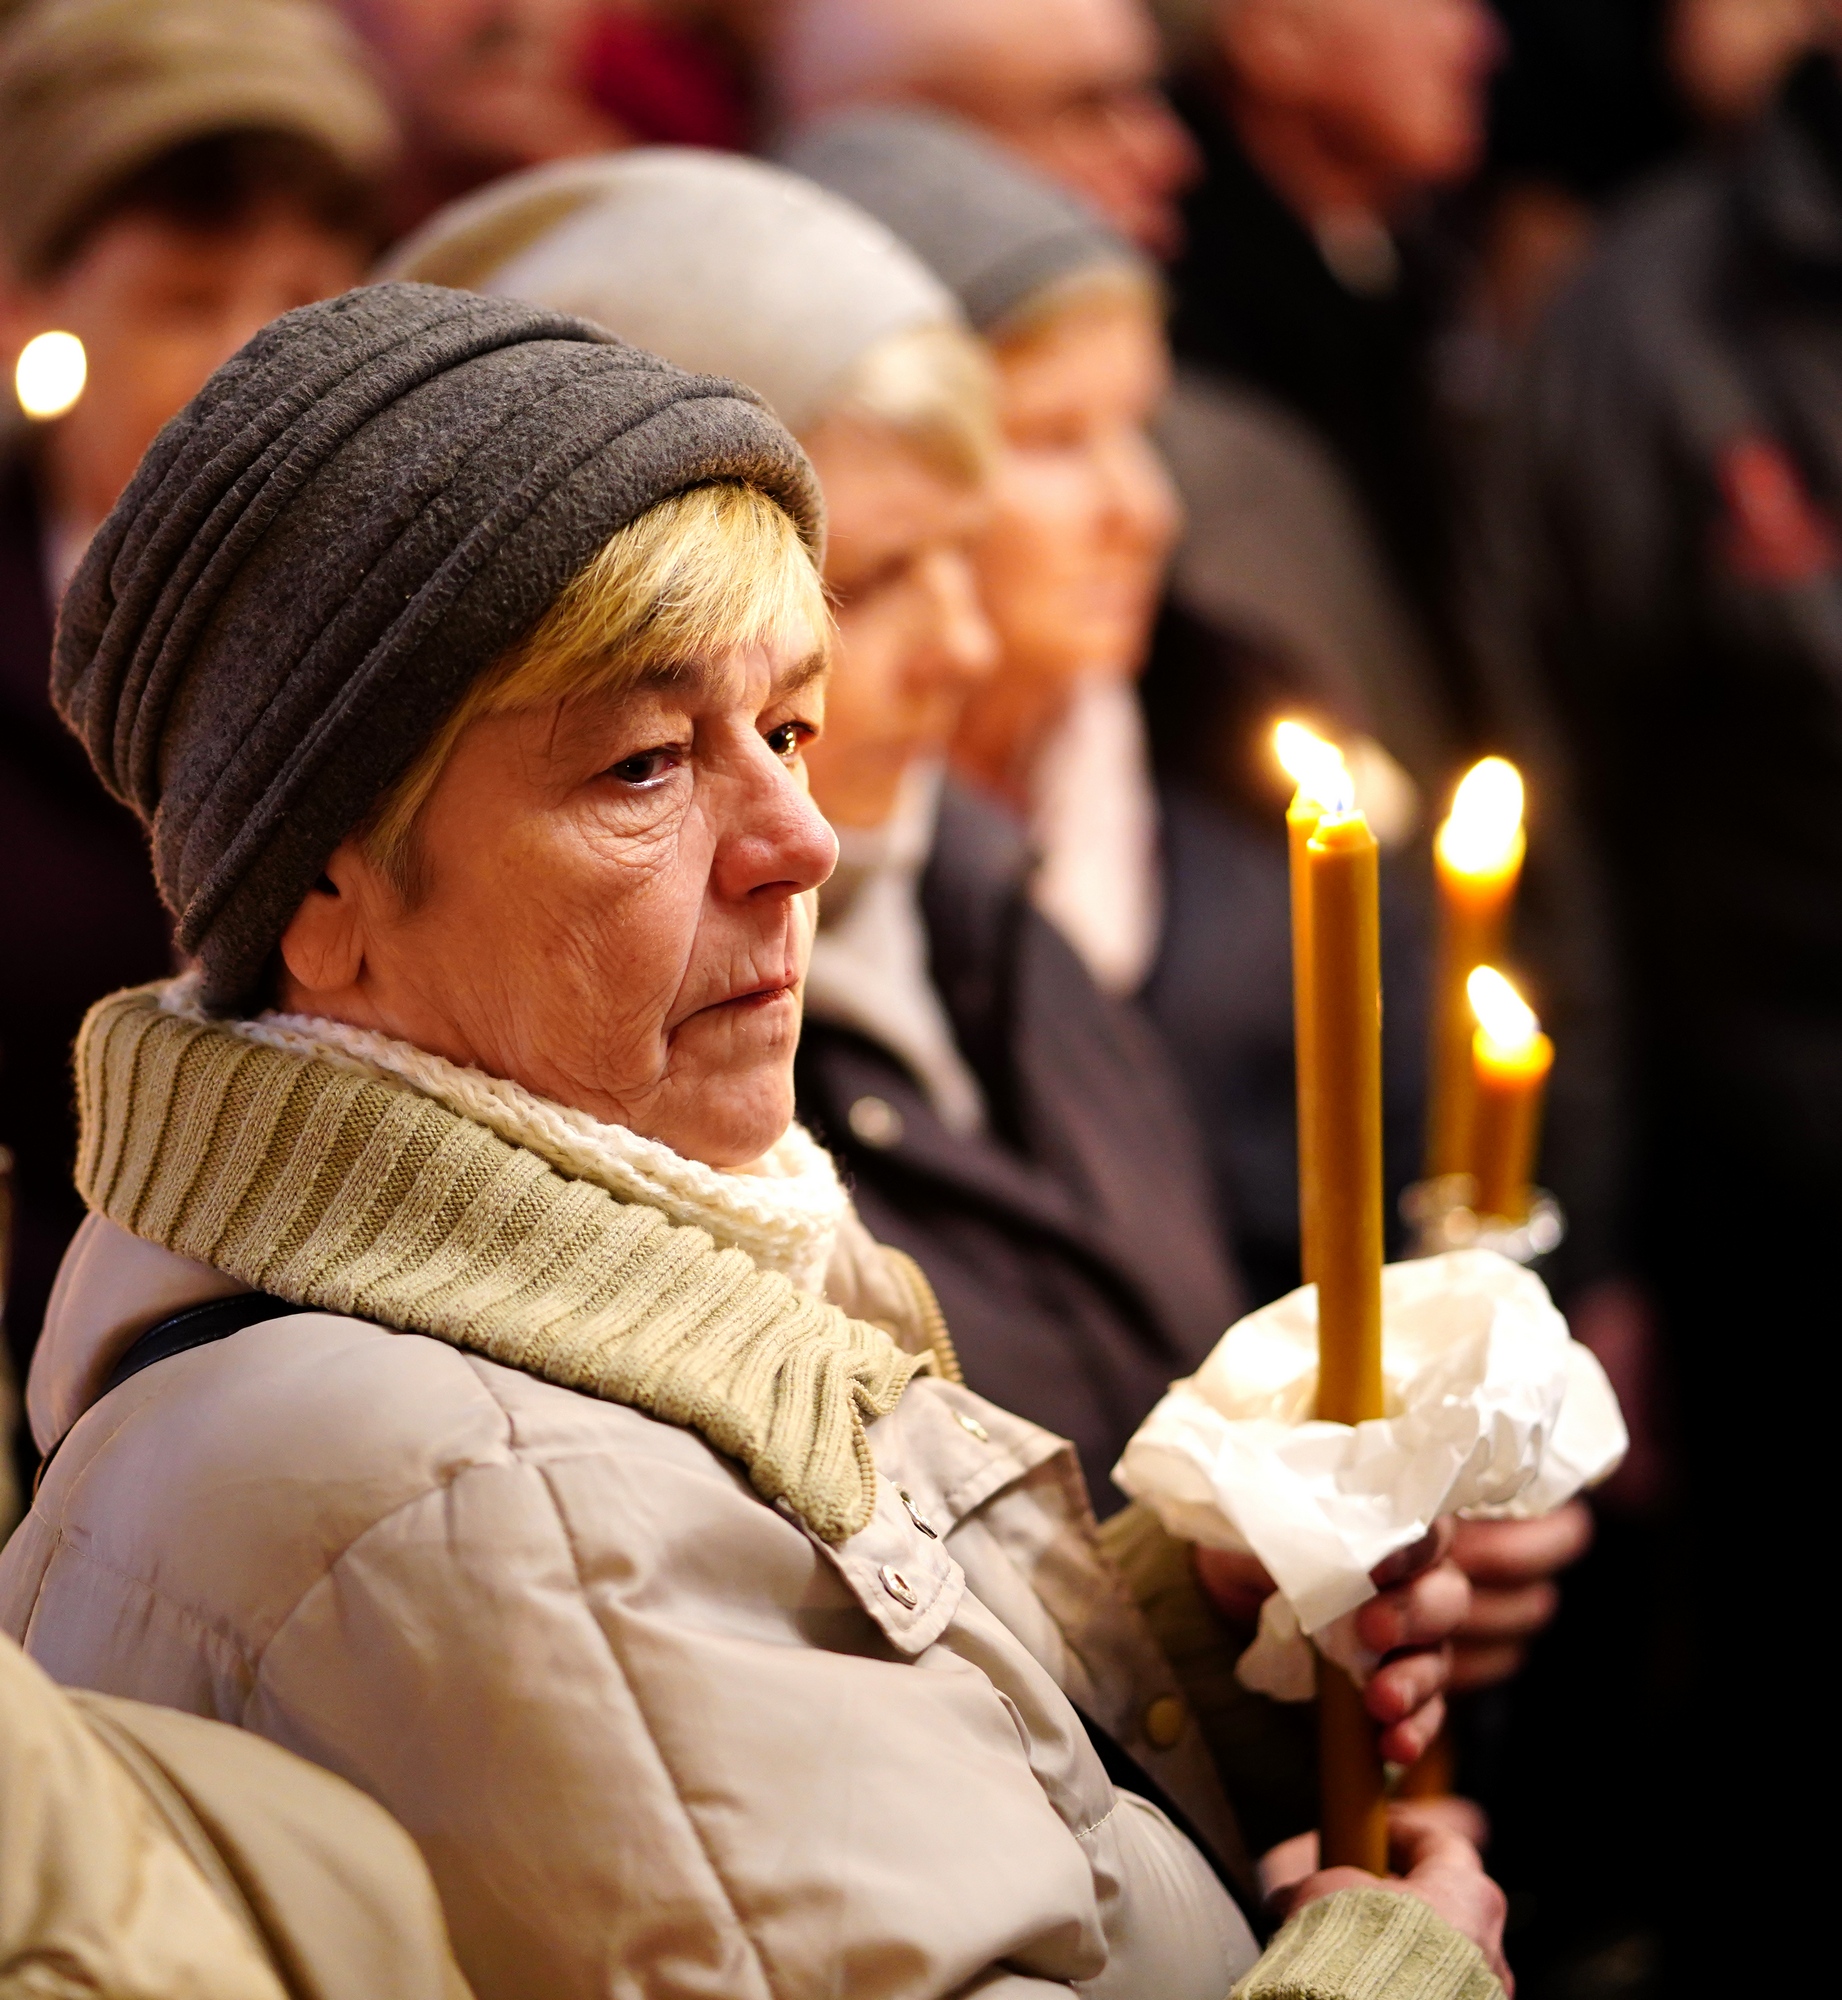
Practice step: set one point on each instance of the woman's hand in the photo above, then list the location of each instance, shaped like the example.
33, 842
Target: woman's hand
1423, 1598
1431, 1857
1511, 1566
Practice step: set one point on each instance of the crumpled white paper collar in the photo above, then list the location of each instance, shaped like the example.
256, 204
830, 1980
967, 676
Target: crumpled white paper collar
1493, 1410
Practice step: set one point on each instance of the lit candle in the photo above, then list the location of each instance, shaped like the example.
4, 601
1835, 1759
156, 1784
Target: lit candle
1345, 1099
1511, 1059
1478, 856
1316, 768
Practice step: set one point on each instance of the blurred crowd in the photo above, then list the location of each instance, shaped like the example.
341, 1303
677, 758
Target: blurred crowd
1457, 376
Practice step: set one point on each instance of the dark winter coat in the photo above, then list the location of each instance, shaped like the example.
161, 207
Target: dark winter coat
1670, 562
1072, 1245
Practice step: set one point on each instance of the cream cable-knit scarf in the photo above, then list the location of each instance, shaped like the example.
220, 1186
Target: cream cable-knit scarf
303, 1169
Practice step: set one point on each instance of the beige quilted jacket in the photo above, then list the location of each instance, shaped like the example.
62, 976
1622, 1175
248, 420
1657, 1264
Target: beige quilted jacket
651, 1735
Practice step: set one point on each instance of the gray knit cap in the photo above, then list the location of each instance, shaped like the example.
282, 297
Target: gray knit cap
992, 230
357, 514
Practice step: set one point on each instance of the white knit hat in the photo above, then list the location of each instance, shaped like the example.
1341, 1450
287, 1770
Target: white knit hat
715, 262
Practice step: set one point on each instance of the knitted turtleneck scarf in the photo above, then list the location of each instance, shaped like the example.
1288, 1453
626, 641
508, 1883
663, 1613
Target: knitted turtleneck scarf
355, 1175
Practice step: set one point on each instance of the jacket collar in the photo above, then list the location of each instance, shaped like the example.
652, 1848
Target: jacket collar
111, 1288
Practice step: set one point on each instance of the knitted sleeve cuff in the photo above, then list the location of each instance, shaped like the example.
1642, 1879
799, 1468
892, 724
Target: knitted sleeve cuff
1369, 1944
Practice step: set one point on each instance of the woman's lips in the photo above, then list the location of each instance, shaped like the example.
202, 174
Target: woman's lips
759, 997
756, 996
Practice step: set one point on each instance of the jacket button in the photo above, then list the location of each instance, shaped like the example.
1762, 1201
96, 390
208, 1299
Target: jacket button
972, 1426
916, 1516
898, 1587
1164, 1720
876, 1122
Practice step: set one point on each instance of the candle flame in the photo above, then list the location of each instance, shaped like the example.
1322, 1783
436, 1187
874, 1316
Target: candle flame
1483, 833
49, 375
1316, 768
1505, 1017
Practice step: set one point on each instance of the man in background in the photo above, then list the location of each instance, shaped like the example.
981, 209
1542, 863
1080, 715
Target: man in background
482, 88
1669, 567
176, 177
1324, 127
1070, 86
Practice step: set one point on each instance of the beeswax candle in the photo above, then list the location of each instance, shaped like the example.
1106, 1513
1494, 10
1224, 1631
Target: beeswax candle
1478, 859
1511, 1059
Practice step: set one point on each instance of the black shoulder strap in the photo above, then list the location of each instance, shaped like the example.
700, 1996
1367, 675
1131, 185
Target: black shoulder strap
197, 1326
179, 1333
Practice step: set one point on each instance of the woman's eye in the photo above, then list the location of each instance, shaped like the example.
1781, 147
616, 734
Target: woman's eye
644, 768
789, 739
871, 581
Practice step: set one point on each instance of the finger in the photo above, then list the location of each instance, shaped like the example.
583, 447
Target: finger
1236, 1583
1497, 1615
1475, 1667
1420, 1613
1432, 1547
1408, 1741
1422, 1831
1406, 1682
1287, 1865
1507, 1553
1459, 1815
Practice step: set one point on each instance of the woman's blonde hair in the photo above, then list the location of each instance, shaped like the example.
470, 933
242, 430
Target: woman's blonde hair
715, 567
1096, 289
933, 386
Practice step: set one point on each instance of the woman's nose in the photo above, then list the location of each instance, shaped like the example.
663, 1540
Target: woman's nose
779, 844
1141, 502
965, 648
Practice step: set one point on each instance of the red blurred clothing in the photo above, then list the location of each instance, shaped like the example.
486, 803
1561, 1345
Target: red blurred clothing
667, 86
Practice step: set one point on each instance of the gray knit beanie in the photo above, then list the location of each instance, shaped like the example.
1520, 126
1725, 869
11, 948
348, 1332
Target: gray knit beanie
354, 517
992, 230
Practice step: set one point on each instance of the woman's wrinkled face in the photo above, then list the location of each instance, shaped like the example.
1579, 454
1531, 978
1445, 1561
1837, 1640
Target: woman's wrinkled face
1083, 518
913, 639
612, 905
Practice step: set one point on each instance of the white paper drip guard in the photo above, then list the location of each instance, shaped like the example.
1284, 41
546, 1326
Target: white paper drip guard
1493, 1411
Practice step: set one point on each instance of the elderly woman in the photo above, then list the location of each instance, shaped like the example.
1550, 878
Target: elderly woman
467, 1376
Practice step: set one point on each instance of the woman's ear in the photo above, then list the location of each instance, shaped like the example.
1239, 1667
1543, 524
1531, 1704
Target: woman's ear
323, 948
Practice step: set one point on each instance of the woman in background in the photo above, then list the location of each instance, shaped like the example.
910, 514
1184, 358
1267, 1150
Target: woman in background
1070, 567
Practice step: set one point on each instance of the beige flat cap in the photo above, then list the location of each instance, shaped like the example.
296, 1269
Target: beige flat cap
92, 90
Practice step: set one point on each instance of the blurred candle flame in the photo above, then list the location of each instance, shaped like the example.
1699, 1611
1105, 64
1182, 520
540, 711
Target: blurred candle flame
1316, 768
1508, 1021
50, 374
1483, 833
